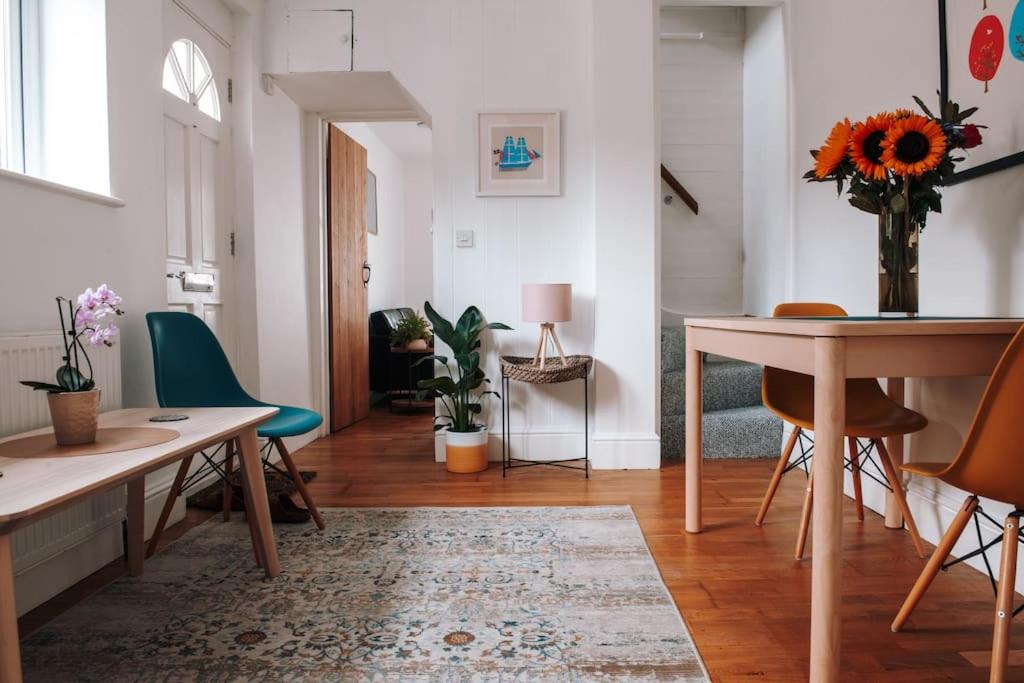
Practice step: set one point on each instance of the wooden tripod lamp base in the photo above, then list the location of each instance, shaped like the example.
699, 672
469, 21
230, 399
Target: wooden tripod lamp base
547, 335
547, 304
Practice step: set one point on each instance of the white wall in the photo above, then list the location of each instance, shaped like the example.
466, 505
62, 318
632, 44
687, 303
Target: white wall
767, 174
627, 237
419, 231
702, 144
281, 294
972, 254
55, 244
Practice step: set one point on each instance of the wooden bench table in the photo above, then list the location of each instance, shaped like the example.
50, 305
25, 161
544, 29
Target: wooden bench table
33, 488
833, 349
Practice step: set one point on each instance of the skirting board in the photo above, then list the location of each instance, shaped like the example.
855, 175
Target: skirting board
607, 451
934, 505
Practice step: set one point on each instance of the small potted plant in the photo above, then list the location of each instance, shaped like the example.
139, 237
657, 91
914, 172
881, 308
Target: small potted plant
460, 392
412, 333
74, 399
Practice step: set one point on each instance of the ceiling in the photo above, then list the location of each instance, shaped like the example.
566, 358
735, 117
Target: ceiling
409, 141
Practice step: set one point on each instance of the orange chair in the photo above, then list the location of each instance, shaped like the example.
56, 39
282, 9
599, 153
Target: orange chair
870, 414
989, 466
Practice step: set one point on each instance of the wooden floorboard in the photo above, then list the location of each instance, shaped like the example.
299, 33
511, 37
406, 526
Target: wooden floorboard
743, 596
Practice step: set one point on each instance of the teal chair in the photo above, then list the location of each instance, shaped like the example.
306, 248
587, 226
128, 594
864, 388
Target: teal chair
193, 372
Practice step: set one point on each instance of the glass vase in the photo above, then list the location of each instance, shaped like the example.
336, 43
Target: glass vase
898, 243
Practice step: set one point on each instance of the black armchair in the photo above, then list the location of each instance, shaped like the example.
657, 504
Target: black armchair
387, 367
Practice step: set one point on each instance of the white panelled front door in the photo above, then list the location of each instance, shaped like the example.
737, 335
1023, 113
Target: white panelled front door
198, 174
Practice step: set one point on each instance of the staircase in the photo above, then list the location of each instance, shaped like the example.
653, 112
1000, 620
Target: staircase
736, 425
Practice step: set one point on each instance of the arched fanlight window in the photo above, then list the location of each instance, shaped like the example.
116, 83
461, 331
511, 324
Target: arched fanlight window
187, 75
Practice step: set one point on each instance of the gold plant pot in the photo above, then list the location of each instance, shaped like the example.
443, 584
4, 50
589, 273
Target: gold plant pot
74, 415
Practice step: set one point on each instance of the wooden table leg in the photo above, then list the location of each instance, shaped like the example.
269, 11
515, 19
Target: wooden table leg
257, 544
10, 654
136, 514
895, 388
829, 416
249, 457
694, 438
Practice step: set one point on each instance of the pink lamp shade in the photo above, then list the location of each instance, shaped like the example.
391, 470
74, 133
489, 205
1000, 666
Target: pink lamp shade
547, 303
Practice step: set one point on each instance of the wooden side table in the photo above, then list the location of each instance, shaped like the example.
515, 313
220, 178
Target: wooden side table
410, 391
522, 369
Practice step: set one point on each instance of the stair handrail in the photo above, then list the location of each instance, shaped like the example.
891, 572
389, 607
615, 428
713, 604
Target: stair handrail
678, 188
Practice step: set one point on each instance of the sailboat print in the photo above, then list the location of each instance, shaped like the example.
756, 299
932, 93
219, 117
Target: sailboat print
515, 155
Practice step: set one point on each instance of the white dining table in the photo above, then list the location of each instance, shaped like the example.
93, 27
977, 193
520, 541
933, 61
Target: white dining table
32, 488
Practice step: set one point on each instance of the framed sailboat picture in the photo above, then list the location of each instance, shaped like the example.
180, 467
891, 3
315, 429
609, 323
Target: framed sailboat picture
519, 154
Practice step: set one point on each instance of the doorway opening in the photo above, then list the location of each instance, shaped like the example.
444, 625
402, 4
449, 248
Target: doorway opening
380, 267
725, 231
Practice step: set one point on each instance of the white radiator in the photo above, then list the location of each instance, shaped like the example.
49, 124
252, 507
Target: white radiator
36, 357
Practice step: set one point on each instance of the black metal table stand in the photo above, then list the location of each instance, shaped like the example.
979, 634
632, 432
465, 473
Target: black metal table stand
510, 463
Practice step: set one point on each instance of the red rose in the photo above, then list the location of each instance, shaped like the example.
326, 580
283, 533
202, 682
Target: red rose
971, 136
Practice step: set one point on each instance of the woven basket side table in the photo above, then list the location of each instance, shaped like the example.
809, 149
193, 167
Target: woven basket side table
522, 369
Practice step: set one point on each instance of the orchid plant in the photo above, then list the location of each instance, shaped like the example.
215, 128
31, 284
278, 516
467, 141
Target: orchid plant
89, 320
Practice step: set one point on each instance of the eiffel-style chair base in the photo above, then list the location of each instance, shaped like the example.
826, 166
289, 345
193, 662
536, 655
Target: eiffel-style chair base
182, 482
1003, 587
854, 463
895, 484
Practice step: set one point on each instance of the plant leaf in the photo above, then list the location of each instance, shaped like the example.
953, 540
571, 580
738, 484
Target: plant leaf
42, 386
442, 328
425, 359
923, 107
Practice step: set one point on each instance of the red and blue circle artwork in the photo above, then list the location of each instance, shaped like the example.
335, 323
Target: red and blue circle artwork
986, 50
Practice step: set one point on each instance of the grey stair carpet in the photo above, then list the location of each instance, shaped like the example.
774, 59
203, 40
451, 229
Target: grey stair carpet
736, 424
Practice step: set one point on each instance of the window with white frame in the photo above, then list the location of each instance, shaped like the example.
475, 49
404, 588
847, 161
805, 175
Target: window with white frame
53, 91
11, 140
187, 76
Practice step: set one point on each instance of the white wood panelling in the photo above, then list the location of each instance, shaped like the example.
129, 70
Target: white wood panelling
701, 84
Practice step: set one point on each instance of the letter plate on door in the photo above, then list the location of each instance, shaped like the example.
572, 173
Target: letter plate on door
197, 282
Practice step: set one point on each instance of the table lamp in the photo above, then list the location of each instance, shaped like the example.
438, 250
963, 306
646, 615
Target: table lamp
547, 304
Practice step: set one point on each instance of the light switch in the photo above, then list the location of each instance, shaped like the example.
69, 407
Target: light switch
463, 238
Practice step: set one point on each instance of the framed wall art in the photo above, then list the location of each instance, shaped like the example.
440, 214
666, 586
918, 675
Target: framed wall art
519, 154
981, 60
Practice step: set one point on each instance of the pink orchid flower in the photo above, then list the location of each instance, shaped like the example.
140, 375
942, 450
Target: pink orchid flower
107, 296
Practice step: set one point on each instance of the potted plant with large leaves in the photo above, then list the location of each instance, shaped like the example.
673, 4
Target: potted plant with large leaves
462, 391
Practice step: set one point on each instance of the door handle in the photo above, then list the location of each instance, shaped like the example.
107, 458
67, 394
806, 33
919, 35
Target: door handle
367, 271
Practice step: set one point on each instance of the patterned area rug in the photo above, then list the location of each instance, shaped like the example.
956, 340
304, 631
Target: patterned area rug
414, 594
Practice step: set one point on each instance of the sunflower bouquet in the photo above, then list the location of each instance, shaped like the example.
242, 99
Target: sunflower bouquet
892, 165
895, 161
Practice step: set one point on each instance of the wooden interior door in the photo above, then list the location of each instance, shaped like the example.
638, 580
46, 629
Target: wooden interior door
348, 326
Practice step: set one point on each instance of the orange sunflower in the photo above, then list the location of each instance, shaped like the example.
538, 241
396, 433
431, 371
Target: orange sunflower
902, 113
866, 145
913, 146
834, 151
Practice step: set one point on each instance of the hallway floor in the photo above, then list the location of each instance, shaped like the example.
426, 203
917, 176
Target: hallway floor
743, 596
